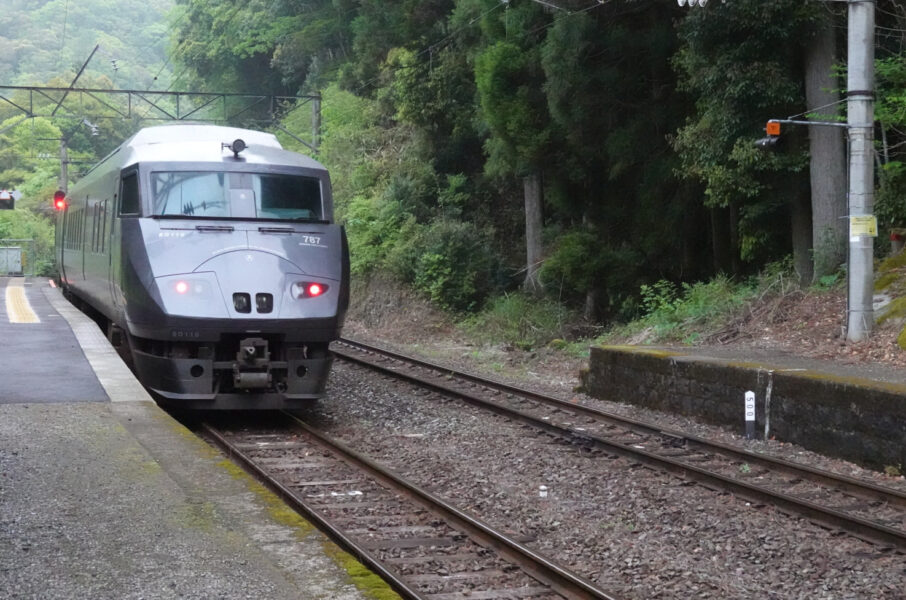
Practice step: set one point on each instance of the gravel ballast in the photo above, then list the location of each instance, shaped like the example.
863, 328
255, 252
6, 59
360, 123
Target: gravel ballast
636, 532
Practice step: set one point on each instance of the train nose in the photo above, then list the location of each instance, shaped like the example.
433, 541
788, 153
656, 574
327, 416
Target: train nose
249, 284
252, 282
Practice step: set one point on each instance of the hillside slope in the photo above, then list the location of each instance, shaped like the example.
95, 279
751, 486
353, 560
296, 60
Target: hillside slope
808, 324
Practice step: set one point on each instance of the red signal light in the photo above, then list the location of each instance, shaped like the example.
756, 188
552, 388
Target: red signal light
59, 200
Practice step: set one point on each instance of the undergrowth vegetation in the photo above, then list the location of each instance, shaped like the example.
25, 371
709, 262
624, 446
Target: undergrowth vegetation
692, 313
520, 321
686, 313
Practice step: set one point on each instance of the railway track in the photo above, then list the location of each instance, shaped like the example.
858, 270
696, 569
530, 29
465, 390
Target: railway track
424, 547
867, 511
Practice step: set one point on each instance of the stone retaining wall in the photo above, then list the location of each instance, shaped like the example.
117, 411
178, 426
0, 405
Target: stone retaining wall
859, 420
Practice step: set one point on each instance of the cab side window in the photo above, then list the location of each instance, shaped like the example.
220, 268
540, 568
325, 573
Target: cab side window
129, 199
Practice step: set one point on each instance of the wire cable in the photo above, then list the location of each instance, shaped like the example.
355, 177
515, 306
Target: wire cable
63, 36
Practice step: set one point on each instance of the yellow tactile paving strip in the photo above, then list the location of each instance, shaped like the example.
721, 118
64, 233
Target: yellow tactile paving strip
18, 309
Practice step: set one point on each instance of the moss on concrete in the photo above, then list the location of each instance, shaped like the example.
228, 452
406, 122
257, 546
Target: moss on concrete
901, 339
897, 261
846, 416
895, 310
885, 280
276, 507
188, 435
196, 515
642, 350
367, 582
370, 584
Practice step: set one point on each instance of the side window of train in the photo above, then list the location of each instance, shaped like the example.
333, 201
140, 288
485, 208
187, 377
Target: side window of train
95, 217
102, 241
129, 198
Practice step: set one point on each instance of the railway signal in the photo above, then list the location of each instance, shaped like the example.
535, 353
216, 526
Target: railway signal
59, 200
773, 136
7, 200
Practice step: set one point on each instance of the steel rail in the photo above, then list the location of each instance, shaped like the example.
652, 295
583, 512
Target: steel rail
333, 531
561, 580
862, 528
843, 482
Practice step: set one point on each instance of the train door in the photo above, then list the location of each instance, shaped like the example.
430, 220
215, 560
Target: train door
113, 275
61, 240
126, 204
83, 243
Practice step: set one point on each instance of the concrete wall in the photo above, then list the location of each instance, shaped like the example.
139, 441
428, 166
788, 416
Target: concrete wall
856, 419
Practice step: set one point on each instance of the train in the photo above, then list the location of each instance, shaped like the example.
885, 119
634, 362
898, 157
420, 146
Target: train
211, 254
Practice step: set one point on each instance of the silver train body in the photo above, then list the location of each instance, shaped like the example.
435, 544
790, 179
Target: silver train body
220, 265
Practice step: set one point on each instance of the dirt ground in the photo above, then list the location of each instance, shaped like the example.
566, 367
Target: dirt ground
810, 324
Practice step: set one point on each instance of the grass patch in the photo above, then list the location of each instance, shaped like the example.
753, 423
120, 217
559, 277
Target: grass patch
519, 320
683, 313
689, 313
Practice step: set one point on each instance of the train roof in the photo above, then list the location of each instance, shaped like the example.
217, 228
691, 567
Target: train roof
194, 143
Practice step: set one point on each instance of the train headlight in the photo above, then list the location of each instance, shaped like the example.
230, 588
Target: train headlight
189, 286
308, 289
191, 294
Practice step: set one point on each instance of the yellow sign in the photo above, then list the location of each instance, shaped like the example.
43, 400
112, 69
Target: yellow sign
863, 225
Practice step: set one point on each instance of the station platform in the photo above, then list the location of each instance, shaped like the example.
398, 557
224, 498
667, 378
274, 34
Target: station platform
104, 495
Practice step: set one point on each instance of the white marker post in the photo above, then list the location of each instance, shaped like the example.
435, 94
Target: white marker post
750, 415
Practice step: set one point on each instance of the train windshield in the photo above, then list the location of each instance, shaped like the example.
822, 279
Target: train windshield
221, 195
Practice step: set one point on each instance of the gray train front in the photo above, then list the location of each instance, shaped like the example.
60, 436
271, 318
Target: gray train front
219, 263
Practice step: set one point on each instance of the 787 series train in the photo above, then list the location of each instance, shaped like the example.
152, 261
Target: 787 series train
212, 252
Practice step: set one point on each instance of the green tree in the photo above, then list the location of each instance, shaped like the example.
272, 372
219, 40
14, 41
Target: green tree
510, 90
742, 62
612, 97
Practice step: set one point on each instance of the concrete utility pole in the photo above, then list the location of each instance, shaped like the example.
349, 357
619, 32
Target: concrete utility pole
860, 82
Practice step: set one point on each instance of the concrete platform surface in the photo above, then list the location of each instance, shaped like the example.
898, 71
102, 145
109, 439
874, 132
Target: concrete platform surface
112, 498
37, 344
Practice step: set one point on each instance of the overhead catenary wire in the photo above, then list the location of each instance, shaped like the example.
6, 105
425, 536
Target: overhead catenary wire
63, 36
229, 20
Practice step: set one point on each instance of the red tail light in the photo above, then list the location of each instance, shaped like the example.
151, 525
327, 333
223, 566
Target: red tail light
308, 289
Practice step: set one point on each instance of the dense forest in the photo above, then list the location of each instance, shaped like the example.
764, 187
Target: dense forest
45, 43
574, 149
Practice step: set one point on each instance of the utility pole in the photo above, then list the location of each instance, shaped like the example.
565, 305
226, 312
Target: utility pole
860, 82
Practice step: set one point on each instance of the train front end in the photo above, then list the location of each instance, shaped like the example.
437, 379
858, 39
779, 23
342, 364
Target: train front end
232, 276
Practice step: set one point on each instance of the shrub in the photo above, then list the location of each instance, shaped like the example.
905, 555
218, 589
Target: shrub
520, 320
688, 311
580, 263
452, 263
